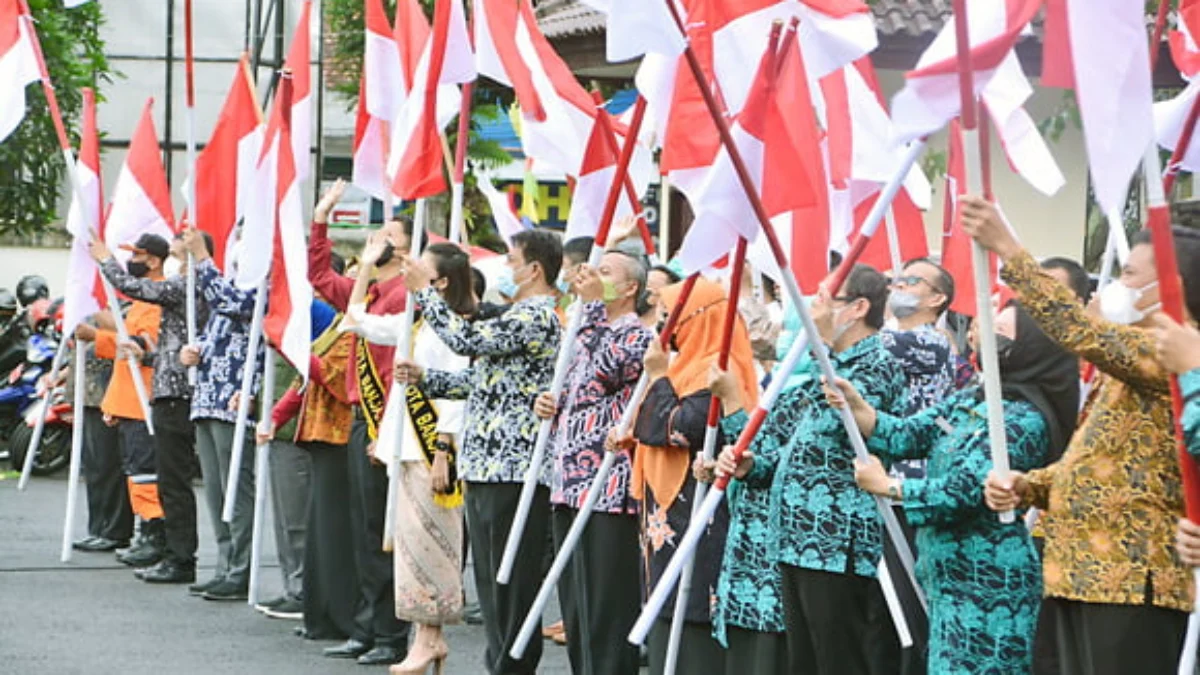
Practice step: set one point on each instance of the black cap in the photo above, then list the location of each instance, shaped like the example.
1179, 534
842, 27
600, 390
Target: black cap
150, 244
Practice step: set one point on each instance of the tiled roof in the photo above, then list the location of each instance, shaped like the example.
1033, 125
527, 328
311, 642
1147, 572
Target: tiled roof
565, 18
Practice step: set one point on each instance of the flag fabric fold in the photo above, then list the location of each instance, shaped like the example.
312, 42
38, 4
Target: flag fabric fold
382, 88
299, 58
141, 198
590, 192
83, 294
18, 65
505, 217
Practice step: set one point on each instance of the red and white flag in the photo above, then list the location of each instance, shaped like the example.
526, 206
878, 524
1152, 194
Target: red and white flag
141, 199
956, 243
445, 61
503, 213
1106, 43
18, 64
637, 27
382, 88
288, 321
225, 166
1171, 116
83, 294
591, 189
299, 60
777, 136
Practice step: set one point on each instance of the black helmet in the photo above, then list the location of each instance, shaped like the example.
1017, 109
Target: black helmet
32, 288
8, 303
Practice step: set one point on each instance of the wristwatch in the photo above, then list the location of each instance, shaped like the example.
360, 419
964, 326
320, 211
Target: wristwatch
443, 446
893, 491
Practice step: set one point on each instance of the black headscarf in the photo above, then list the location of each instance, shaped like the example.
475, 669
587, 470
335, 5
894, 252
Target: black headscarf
1038, 370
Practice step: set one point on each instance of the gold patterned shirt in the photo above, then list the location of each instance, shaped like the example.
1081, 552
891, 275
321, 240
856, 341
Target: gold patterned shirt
1111, 502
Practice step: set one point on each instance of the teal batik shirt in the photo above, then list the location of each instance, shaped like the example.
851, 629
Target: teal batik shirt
982, 577
1189, 384
823, 520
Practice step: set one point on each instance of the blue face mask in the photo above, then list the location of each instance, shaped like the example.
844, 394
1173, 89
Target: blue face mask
507, 284
563, 287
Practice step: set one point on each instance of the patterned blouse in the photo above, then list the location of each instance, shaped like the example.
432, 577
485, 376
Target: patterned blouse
606, 366
749, 588
982, 577
928, 362
1111, 502
1189, 384
820, 515
513, 361
223, 346
170, 376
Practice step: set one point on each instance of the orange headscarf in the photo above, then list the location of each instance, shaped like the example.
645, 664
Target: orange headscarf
698, 337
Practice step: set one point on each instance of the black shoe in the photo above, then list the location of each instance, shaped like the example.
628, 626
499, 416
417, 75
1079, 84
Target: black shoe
167, 572
288, 609
350, 649
472, 614
200, 588
381, 656
98, 544
270, 604
226, 591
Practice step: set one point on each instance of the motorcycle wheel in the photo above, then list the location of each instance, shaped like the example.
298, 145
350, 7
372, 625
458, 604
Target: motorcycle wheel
54, 450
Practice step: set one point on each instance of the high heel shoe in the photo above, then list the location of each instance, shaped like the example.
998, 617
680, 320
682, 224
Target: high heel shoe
420, 658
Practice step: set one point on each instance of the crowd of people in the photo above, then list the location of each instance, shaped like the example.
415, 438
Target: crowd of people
1091, 577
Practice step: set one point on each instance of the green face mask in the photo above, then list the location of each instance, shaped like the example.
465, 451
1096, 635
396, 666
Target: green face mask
610, 291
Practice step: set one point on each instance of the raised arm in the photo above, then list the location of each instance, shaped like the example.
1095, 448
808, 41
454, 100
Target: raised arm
165, 292
332, 286
221, 294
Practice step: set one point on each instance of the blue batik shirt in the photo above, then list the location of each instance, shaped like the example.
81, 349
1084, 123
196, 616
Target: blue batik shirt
1189, 385
823, 520
927, 359
224, 345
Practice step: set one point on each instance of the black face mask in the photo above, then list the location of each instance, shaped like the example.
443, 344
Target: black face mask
137, 269
389, 252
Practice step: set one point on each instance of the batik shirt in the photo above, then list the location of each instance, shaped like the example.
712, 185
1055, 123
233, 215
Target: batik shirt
1111, 503
749, 587
982, 577
224, 346
604, 369
925, 356
513, 361
821, 516
1189, 384
170, 376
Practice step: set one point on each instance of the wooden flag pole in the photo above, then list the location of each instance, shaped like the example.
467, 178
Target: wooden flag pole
687, 546
984, 312
533, 619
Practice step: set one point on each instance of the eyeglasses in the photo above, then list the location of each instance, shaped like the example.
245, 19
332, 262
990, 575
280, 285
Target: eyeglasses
845, 299
914, 280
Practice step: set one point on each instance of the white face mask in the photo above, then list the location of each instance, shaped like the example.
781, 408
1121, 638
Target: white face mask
840, 329
1118, 303
172, 267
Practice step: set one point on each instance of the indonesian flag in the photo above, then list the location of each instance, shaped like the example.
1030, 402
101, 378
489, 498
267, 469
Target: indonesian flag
637, 27
224, 167
910, 232
592, 187
1105, 42
776, 134
930, 97
382, 89
84, 295
446, 60
298, 61
18, 64
507, 222
288, 321
956, 244
1171, 116
141, 200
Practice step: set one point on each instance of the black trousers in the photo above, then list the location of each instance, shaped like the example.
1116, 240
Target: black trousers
754, 653
884, 655
1045, 642
109, 514
827, 621
699, 651
375, 620
1096, 639
490, 509
175, 453
600, 592
330, 586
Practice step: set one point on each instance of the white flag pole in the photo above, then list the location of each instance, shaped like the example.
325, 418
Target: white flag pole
246, 393
262, 482
40, 425
190, 134
76, 451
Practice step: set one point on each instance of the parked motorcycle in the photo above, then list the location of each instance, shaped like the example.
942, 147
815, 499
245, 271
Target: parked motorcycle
22, 399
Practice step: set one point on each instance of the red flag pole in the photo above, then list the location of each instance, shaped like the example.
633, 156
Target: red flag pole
687, 545
533, 618
565, 354
610, 139
977, 172
460, 155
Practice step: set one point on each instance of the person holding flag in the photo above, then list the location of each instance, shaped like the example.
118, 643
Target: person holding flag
170, 405
220, 358
1110, 505
830, 536
1179, 350
599, 590
973, 565
121, 407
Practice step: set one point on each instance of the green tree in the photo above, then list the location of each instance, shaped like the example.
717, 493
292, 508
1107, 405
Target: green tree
32, 171
344, 19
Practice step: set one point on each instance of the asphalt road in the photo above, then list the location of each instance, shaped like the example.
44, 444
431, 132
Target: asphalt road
91, 616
